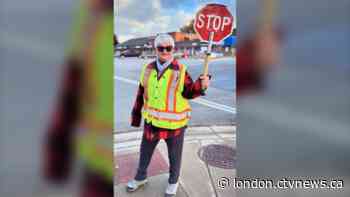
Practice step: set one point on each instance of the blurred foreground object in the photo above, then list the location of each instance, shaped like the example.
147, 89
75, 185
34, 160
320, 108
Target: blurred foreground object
259, 51
297, 126
256, 57
83, 118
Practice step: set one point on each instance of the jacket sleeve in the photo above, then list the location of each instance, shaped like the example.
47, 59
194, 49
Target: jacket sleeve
136, 111
58, 141
192, 89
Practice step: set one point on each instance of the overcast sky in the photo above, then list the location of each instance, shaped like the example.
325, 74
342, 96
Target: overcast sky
138, 18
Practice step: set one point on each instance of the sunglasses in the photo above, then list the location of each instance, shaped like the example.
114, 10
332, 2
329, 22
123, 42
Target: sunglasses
167, 48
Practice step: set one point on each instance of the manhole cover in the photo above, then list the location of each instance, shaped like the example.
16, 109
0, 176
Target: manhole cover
217, 155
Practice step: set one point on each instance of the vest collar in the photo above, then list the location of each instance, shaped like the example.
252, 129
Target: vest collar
173, 65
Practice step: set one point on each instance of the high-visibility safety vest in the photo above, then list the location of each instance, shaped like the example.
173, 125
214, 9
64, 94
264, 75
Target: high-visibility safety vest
95, 135
164, 105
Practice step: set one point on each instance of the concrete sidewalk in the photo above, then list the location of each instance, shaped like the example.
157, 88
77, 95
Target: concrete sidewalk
198, 178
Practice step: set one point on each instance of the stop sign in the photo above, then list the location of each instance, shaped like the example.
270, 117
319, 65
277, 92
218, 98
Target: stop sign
214, 18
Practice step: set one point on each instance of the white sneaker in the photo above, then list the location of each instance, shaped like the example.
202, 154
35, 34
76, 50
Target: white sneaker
134, 185
171, 190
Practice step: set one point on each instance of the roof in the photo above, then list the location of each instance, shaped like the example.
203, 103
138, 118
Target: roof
132, 43
141, 42
190, 43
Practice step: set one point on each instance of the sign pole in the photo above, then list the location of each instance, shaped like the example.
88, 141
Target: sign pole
213, 23
207, 55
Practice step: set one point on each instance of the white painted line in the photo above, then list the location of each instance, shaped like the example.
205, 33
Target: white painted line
126, 80
215, 105
134, 143
200, 101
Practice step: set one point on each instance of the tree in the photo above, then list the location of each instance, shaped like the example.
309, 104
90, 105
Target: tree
234, 32
188, 28
115, 40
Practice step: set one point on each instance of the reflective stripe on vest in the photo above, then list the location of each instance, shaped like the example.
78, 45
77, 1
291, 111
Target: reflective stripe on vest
171, 116
166, 107
171, 92
145, 81
173, 84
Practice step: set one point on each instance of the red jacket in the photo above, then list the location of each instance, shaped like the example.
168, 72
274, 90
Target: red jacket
191, 90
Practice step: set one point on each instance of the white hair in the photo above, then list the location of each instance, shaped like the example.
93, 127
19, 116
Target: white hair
164, 39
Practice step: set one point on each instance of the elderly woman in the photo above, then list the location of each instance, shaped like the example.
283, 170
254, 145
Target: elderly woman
162, 100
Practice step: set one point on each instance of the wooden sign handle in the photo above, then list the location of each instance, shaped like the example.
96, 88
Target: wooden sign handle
206, 64
207, 55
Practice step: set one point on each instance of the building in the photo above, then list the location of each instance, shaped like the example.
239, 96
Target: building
180, 36
185, 45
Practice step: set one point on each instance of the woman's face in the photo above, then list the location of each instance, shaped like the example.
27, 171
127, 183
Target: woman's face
165, 52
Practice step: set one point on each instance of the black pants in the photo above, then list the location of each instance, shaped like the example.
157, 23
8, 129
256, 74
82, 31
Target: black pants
174, 145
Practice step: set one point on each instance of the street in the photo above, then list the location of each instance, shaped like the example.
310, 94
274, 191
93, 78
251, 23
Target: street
216, 108
213, 116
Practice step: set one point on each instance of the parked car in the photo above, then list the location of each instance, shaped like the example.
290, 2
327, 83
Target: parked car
178, 55
148, 54
130, 53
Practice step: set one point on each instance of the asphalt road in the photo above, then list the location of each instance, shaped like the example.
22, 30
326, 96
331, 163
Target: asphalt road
216, 108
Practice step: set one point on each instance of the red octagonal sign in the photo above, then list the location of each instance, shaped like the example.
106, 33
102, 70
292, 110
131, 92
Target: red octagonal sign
214, 18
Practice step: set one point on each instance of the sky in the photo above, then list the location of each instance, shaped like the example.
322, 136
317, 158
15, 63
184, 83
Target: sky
139, 18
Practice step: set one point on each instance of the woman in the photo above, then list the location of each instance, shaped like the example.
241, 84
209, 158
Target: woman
162, 100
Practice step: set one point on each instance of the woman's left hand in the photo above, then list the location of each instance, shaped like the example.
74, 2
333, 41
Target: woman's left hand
205, 81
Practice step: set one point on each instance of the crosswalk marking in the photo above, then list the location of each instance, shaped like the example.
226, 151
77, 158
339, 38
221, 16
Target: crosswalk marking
200, 101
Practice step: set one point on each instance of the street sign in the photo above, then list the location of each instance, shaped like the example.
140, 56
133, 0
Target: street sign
213, 23
213, 19
230, 41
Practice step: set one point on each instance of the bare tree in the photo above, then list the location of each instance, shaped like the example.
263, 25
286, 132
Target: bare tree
115, 40
188, 28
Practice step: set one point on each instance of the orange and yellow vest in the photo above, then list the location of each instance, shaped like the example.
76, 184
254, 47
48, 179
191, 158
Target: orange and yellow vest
164, 105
